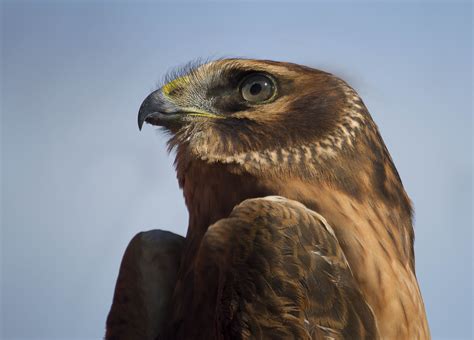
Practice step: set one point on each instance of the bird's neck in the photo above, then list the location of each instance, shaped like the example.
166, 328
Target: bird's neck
211, 191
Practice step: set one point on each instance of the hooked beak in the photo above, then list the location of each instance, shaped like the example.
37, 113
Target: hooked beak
157, 110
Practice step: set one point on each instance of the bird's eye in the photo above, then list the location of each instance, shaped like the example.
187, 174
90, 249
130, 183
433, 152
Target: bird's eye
257, 88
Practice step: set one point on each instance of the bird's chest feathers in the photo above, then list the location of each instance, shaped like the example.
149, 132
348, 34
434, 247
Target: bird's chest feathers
376, 241
375, 237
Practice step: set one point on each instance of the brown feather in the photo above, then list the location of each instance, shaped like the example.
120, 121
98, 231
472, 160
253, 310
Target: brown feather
264, 267
273, 270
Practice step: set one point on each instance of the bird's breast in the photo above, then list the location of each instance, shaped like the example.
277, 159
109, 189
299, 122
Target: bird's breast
374, 237
376, 242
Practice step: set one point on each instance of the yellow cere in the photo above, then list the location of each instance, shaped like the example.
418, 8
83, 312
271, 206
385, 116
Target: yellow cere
190, 111
178, 82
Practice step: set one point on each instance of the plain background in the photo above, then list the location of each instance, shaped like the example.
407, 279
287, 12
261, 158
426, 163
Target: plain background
79, 179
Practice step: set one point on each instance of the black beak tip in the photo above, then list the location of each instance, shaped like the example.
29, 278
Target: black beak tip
142, 116
151, 108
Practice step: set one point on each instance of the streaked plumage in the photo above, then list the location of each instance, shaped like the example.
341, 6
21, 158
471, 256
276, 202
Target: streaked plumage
332, 257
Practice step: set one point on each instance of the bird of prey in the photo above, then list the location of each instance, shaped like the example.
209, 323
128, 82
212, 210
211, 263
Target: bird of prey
299, 225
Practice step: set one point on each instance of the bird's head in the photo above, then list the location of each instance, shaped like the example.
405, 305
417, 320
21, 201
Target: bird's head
273, 121
256, 113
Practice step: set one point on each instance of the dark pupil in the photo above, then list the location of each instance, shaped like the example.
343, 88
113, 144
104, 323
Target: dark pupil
255, 89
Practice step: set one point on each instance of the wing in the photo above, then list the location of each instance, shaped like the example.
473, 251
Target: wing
144, 286
274, 270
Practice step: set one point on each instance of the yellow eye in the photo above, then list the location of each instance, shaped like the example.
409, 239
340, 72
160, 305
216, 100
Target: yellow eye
257, 88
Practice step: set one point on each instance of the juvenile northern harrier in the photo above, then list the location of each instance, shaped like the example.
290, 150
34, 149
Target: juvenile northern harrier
299, 225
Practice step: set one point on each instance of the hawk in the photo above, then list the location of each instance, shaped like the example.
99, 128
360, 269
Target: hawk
299, 225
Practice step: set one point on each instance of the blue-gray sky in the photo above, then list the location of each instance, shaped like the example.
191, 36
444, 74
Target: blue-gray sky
79, 180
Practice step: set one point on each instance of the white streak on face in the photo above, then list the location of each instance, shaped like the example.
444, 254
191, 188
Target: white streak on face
307, 153
273, 156
285, 155
350, 123
296, 155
